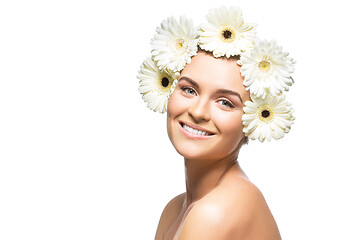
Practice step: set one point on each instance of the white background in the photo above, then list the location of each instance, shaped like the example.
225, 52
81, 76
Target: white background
81, 157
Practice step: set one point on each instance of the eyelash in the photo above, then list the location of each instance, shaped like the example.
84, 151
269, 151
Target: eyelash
230, 105
228, 102
187, 88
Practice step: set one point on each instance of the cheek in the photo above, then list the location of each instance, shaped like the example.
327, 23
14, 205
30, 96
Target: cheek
175, 108
170, 113
177, 104
230, 125
171, 104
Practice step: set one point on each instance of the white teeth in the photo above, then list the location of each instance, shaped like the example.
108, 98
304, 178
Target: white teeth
194, 131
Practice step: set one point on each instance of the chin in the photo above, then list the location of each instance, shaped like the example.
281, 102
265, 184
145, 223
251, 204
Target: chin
194, 152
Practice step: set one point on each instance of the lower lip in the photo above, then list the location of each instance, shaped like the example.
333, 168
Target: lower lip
191, 135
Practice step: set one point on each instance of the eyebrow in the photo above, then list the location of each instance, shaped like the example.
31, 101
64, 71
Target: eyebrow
225, 91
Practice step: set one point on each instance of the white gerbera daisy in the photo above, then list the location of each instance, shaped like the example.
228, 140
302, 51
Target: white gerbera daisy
174, 43
225, 32
156, 85
266, 118
266, 69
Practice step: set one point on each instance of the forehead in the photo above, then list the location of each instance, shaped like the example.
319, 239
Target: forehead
211, 72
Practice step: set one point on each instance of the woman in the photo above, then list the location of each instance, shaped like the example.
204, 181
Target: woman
220, 202
213, 104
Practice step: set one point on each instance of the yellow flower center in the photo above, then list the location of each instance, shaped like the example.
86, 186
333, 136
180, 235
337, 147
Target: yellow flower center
264, 65
227, 34
265, 113
179, 44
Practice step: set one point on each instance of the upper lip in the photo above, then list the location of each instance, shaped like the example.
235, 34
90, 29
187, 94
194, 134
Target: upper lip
196, 127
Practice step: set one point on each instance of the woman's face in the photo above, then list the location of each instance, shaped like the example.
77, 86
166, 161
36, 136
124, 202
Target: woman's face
209, 96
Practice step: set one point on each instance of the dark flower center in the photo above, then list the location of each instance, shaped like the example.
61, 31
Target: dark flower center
227, 34
165, 82
265, 113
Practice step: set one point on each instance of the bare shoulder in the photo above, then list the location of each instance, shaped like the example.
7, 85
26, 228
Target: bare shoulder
169, 215
235, 210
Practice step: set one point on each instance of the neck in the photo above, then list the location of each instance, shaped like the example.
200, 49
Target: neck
203, 176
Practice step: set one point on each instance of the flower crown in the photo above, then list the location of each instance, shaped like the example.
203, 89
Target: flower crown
266, 68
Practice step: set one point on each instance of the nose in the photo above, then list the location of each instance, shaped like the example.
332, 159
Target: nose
199, 110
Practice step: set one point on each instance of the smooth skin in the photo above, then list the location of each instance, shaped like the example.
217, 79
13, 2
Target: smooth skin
220, 202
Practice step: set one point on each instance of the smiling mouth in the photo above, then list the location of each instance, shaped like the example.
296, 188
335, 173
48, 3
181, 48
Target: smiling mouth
195, 131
